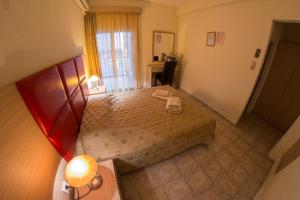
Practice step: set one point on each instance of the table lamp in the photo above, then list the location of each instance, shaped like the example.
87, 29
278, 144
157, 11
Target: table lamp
81, 171
94, 82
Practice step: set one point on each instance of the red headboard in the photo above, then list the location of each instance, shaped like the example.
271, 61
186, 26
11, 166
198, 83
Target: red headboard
56, 97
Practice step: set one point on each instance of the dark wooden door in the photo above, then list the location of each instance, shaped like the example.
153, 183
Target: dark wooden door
279, 101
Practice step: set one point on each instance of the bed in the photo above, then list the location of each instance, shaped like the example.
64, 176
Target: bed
131, 127
134, 129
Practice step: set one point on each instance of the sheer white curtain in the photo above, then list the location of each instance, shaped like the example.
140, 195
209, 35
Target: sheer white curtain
116, 59
117, 48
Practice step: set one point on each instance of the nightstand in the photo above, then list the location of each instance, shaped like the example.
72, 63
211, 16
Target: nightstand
109, 189
98, 90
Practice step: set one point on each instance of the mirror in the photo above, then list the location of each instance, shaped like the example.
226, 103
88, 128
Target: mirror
163, 45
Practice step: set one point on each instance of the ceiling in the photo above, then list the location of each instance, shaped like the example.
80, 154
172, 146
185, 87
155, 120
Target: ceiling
169, 2
132, 2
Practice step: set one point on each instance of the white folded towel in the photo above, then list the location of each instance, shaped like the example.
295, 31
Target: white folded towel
174, 105
161, 94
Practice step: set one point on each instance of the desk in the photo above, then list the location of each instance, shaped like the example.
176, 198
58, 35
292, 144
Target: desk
155, 67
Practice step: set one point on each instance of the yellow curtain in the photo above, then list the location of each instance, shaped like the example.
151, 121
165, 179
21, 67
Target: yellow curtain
91, 44
116, 22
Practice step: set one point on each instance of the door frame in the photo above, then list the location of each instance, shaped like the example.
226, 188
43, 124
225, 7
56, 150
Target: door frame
254, 96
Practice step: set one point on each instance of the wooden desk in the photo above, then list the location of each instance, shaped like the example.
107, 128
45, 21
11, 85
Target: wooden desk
158, 67
109, 189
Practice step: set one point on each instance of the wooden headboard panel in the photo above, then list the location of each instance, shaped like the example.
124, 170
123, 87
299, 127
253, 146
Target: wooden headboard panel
56, 100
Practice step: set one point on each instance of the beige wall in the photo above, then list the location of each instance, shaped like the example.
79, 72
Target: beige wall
220, 76
190, 6
36, 34
154, 17
28, 160
58, 183
288, 139
283, 185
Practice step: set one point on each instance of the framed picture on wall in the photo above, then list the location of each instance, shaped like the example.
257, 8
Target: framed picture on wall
211, 38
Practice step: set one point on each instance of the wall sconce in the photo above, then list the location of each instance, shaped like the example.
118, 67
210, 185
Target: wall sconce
81, 171
94, 82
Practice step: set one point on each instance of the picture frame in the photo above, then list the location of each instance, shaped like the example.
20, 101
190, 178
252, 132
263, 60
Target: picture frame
211, 39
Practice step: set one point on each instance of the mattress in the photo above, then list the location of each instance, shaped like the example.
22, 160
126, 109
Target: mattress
134, 129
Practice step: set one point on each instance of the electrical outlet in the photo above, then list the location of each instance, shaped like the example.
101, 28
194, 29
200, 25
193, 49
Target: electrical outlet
65, 187
253, 65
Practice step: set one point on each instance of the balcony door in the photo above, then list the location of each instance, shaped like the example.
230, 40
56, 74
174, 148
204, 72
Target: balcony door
117, 62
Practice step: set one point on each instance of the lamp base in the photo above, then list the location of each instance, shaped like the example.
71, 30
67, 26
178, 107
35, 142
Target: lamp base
96, 182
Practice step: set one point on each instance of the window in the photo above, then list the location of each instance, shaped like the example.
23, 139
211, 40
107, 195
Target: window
116, 58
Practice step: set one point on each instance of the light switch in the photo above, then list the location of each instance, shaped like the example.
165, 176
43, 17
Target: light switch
257, 53
253, 65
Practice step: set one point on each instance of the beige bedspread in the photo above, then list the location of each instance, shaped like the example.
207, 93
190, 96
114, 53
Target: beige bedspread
134, 129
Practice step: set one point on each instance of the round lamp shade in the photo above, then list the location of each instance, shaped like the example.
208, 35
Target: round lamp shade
80, 170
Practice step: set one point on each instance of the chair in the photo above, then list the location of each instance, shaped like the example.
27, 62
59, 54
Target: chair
166, 76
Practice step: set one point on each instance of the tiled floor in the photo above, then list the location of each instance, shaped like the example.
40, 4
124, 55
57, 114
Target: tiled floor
233, 166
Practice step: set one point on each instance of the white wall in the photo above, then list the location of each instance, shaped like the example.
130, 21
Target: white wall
220, 76
154, 17
36, 34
